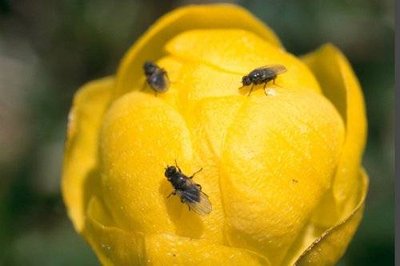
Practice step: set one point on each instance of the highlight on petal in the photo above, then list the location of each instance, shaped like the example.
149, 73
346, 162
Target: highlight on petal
279, 157
80, 156
341, 87
330, 247
149, 46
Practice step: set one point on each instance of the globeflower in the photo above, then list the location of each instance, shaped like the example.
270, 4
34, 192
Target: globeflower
281, 167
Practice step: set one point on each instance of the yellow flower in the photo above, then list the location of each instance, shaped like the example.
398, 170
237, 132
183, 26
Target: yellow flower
282, 170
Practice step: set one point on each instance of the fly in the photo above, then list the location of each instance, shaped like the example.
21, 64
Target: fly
156, 76
262, 75
189, 191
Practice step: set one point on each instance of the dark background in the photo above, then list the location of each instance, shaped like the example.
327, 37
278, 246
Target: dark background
49, 48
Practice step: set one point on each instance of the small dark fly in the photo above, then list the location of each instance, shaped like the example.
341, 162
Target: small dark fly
156, 77
189, 192
262, 75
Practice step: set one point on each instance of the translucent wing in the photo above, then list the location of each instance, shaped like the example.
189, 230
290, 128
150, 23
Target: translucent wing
197, 201
277, 69
202, 207
158, 81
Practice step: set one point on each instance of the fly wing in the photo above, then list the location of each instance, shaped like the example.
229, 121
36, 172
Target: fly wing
158, 81
199, 203
202, 207
277, 69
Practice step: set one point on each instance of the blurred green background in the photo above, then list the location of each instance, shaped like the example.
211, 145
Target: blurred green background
49, 48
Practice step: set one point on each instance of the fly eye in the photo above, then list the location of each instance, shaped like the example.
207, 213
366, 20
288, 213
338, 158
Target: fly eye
170, 170
246, 80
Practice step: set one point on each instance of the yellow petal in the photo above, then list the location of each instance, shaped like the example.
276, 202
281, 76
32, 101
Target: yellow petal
142, 135
80, 154
114, 246
209, 127
165, 249
341, 87
330, 247
211, 123
238, 52
197, 81
149, 46
279, 156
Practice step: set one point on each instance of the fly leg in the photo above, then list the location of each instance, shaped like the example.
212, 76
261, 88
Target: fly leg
195, 173
265, 85
251, 89
179, 169
184, 201
165, 73
269, 92
144, 86
172, 193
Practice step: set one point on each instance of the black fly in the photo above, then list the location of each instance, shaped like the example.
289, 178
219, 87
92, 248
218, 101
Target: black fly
156, 77
189, 192
263, 75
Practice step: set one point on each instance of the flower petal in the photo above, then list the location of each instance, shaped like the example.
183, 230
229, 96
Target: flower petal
341, 87
209, 127
114, 246
166, 249
149, 46
238, 51
330, 247
89, 105
279, 157
211, 123
141, 135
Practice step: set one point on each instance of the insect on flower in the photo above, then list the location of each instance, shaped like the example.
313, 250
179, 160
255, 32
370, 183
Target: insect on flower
156, 77
261, 75
189, 192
